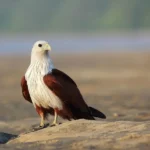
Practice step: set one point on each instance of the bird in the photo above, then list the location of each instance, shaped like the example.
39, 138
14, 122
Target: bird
51, 91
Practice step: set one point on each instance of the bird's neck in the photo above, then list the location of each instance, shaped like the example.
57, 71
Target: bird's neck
39, 56
40, 65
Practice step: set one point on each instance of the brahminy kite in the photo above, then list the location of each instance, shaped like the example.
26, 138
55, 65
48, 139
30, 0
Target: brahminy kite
52, 91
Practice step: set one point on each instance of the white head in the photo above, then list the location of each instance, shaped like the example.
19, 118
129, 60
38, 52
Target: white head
40, 50
41, 47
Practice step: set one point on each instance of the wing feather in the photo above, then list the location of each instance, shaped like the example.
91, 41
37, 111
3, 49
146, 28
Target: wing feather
66, 89
25, 91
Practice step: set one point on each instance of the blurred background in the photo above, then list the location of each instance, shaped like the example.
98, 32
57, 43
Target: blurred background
102, 44
72, 26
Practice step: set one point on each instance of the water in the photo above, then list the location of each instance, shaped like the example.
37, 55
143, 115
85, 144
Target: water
76, 43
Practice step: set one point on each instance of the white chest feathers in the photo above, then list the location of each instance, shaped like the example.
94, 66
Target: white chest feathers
40, 94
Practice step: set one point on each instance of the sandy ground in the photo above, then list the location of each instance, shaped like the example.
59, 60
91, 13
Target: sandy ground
118, 84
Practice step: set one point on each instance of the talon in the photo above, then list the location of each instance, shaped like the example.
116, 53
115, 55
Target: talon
40, 127
54, 124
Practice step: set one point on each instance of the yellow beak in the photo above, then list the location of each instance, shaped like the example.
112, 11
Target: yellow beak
47, 47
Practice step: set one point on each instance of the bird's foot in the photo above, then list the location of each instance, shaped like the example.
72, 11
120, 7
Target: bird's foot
36, 128
54, 124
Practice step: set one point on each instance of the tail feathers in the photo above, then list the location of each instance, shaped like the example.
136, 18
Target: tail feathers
97, 113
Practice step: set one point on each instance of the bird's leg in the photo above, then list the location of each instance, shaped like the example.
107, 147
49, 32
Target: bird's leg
41, 114
55, 118
42, 121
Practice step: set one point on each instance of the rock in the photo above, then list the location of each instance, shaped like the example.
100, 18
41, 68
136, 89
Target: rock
85, 134
5, 137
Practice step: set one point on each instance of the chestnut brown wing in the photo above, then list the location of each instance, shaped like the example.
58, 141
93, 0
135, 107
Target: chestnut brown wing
25, 91
67, 91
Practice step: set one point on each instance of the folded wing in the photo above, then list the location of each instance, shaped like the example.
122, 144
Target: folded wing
74, 107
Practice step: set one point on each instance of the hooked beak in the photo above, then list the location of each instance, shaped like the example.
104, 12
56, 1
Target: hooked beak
47, 47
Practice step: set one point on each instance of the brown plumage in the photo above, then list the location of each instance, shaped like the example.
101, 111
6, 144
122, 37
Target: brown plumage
65, 88
25, 91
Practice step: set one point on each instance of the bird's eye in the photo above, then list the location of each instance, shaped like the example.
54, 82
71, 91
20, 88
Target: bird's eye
40, 45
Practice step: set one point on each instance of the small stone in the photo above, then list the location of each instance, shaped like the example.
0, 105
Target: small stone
115, 115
